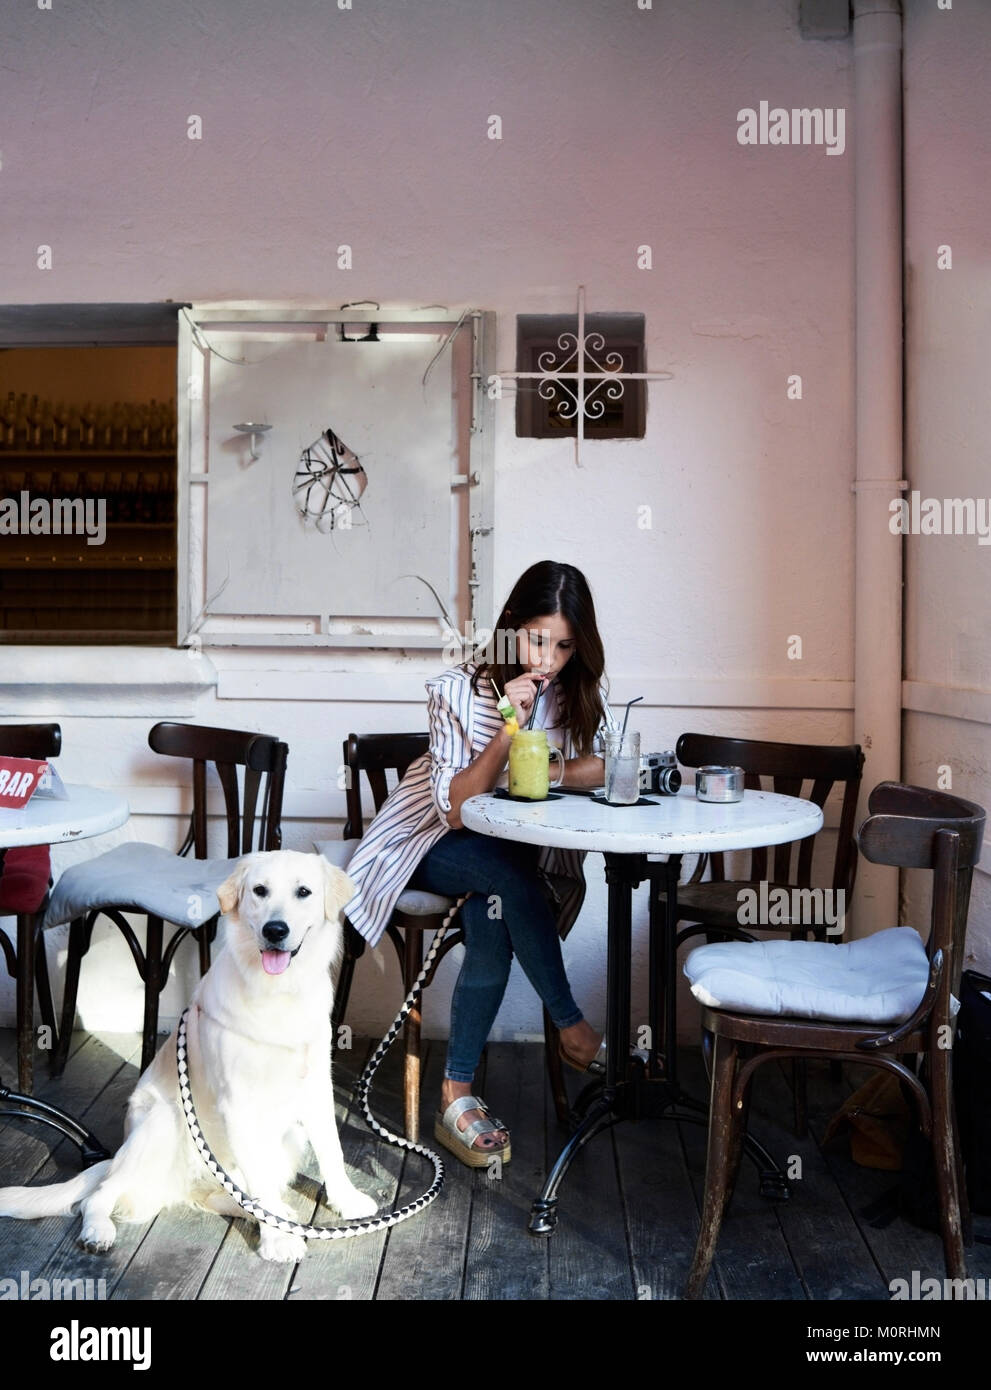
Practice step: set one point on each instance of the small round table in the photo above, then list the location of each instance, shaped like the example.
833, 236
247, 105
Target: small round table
87, 811
626, 835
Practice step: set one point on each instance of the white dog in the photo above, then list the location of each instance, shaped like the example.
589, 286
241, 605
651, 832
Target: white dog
258, 1042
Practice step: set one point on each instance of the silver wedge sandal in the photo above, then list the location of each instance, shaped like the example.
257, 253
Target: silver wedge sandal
460, 1141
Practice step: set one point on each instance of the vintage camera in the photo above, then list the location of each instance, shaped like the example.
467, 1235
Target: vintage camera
659, 774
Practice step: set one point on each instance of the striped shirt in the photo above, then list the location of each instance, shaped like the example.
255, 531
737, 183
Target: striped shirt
462, 723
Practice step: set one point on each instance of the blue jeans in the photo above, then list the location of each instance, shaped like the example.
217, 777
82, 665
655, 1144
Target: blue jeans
507, 913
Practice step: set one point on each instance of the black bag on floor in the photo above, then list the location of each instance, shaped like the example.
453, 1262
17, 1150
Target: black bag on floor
972, 1085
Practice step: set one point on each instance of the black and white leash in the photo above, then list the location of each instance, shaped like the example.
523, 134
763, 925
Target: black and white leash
362, 1226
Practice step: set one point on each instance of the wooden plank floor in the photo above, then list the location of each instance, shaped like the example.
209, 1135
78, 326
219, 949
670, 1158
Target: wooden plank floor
628, 1215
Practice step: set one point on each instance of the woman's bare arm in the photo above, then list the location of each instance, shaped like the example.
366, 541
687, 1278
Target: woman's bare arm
584, 772
481, 776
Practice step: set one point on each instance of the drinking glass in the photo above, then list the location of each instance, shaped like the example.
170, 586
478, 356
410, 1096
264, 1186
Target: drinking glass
622, 767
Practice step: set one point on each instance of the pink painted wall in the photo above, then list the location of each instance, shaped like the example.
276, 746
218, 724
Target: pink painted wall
368, 127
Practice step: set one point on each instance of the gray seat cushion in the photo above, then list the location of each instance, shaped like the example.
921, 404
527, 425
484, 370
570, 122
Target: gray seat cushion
418, 903
879, 979
145, 878
415, 902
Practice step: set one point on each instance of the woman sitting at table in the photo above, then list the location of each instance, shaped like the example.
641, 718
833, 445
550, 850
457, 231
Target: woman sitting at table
545, 647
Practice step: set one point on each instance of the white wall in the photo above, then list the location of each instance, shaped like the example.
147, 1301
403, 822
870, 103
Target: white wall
947, 722
369, 127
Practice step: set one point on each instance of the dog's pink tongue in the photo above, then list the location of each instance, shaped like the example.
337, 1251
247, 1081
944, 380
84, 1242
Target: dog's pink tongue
275, 961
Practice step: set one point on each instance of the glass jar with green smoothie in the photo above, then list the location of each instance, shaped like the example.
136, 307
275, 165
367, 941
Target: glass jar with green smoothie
530, 756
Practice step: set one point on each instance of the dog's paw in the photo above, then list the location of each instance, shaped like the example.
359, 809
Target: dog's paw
352, 1204
98, 1235
280, 1246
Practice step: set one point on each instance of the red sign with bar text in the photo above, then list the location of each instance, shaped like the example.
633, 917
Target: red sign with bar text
19, 780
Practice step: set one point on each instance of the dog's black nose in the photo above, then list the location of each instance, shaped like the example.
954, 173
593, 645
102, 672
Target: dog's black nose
275, 932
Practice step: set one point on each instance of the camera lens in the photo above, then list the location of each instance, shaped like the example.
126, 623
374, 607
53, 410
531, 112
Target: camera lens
669, 779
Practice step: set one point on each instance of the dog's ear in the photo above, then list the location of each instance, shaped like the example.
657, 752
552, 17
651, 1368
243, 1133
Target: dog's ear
338, 889
229, 892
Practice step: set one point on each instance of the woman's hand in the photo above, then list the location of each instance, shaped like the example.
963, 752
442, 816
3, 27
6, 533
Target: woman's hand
522, 690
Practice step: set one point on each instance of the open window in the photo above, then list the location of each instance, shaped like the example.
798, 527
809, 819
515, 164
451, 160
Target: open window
334, 477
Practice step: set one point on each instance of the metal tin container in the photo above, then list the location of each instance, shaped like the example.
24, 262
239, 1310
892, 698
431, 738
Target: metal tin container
719, 784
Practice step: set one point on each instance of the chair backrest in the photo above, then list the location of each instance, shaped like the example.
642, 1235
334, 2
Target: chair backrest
917, 828
786, 767
254, 823
375, 755
30, 740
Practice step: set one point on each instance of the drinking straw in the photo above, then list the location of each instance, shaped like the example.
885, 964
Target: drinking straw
622, 735
536, 702
627, 715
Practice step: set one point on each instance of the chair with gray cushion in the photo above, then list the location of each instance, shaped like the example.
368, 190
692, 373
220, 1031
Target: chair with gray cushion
165, 887
417, 911
377, 755
885, 1001
791, 769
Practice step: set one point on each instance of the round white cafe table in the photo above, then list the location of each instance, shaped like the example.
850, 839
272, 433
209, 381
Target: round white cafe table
85, 812
673, 825
628, 837
49, 821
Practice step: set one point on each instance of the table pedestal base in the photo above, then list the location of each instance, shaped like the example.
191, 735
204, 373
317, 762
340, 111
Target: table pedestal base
634, 1089
18, 1107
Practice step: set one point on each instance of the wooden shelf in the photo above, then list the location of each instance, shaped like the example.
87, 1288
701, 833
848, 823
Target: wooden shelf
47, 456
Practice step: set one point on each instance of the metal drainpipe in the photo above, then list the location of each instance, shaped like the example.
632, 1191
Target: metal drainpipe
877, 50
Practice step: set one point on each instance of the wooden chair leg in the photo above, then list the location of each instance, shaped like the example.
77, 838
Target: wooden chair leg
411, 1060
27, 927
947, 1164
555, 1070
708, 1046
725, 1130
43, 982
354, 946
204, 937
741, 1124
966, 1224
800, 1096
78, 945
153, 988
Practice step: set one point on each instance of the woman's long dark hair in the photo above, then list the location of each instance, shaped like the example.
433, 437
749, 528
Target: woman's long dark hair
547, 588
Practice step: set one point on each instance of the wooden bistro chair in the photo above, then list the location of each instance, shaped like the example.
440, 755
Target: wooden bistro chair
417, 912
790, 769
25, 877
885, 1000
166, 887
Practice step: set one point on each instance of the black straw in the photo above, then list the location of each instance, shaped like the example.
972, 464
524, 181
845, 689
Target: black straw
536, 702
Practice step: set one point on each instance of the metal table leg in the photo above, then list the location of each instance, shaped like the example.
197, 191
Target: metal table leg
630, 1090
623, 873
15, 1106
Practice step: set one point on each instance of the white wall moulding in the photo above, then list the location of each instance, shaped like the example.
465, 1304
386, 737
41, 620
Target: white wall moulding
112, 682
319, 805
951, 701
389, 687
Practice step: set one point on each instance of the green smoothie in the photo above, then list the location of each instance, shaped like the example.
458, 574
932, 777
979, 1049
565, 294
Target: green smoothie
529, 765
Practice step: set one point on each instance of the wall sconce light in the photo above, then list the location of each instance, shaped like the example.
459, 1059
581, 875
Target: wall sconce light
257, 433
372, 336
